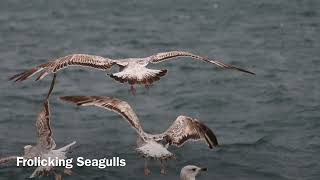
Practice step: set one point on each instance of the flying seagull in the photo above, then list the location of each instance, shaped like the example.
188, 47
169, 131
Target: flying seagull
132, 70
150, 146
190, 172
45, 147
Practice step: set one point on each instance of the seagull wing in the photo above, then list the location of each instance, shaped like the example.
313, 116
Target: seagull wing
163, 56
44, 132
112, 104
8, 160
185, 128
55, 65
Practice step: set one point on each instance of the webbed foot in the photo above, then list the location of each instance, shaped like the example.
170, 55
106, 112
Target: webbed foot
147, 172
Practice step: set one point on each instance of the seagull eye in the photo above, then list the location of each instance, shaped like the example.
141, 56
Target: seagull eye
194, 169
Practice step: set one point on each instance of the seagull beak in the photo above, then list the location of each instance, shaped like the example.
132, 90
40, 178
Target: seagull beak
203, 169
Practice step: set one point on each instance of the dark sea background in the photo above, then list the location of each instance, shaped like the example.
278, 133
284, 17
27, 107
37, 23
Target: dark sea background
268, 125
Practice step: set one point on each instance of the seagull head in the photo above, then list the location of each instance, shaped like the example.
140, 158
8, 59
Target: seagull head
190, 172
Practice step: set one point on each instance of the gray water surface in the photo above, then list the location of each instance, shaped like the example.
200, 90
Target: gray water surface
268, 125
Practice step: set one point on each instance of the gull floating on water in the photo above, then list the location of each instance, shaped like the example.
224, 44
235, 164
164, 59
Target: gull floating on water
132, 70
181, 131
190, 172
45, 147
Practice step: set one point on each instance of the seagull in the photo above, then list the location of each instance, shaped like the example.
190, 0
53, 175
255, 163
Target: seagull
132, 70
45, 147
190, 172
149, 146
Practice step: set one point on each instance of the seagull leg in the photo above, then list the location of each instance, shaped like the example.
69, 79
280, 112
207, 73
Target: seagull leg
162, 167
132, 90
146, 170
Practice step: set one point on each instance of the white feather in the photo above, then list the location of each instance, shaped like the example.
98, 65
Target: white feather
153, 149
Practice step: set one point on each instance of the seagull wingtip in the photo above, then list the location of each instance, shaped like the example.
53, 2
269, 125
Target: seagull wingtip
66, 98
246, 71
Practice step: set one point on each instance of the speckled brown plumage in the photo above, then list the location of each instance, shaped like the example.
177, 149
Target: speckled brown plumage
132, 70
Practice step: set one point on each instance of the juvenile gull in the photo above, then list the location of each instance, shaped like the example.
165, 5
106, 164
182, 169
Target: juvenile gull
132, 70
181, 131
190, 172
45, 147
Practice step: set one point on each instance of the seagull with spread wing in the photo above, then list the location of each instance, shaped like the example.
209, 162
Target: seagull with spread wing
45, 147
132, 70
181, 131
